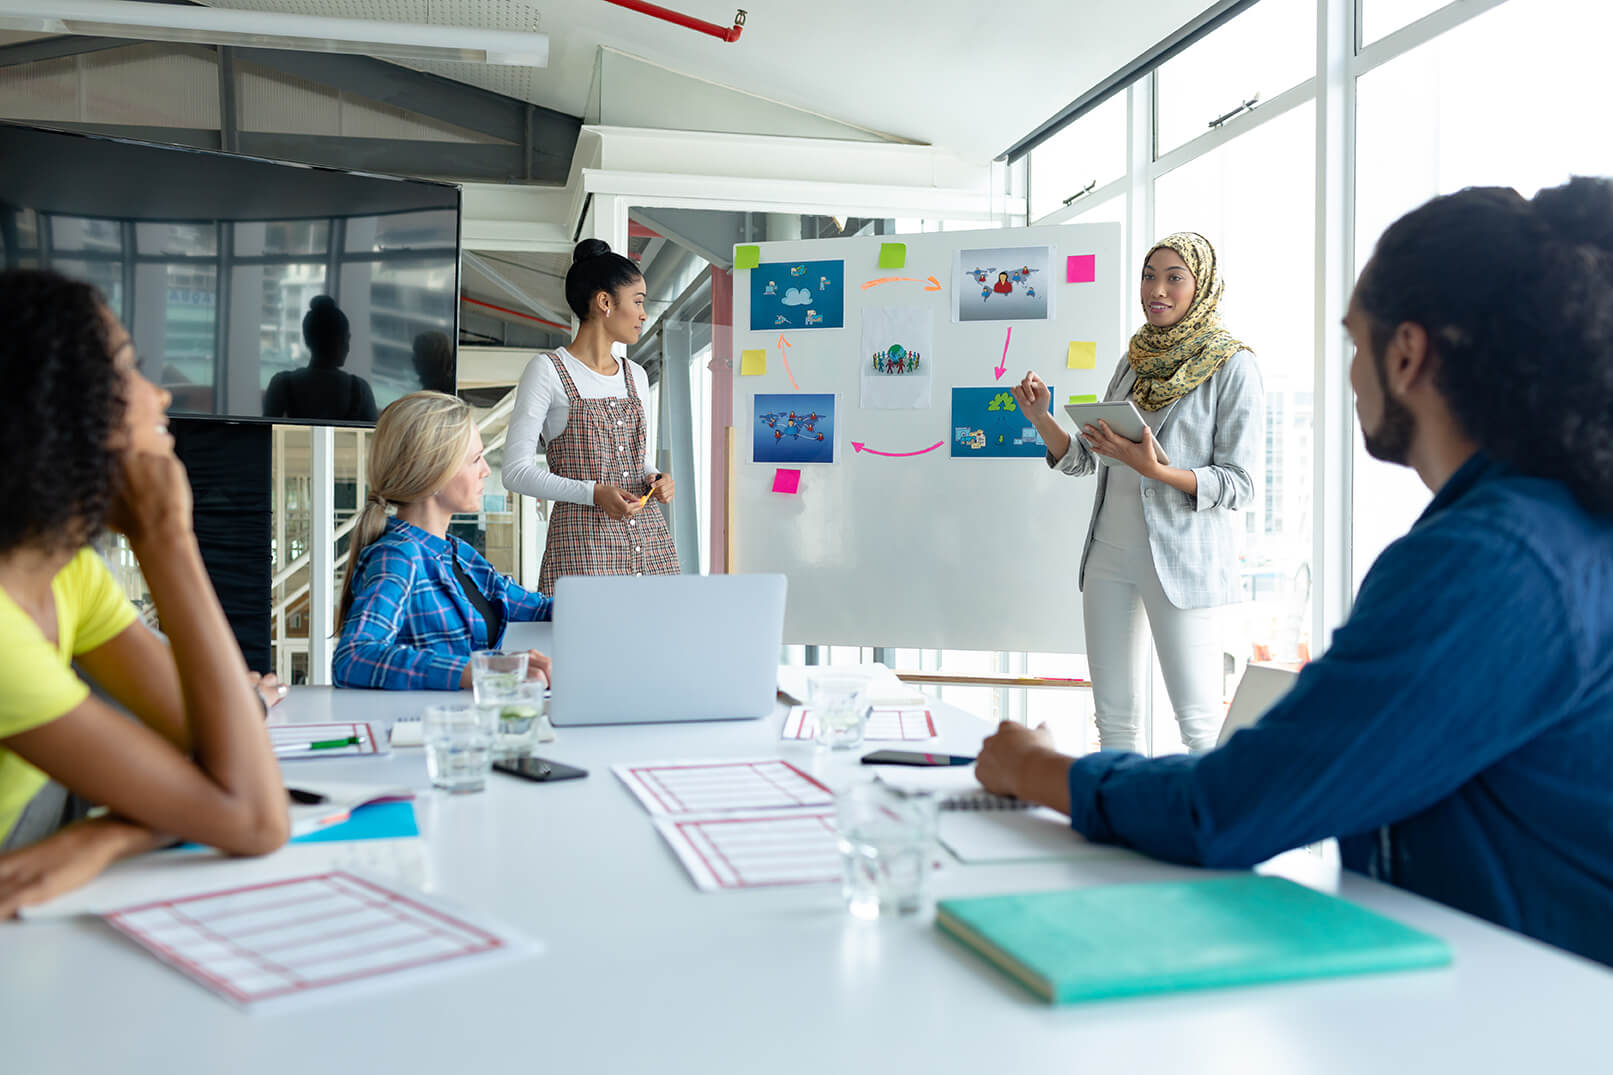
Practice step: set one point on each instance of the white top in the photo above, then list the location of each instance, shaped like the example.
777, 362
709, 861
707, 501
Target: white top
1120, 520
540, 415
637, 957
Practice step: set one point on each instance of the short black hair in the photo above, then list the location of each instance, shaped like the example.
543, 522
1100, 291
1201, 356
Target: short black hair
1516, 296
61, 407
594, 269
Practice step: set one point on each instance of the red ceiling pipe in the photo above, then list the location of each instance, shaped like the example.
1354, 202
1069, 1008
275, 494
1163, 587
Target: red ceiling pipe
725, 33
513, 313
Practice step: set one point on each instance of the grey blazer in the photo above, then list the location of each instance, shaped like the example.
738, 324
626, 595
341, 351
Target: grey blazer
1217, 431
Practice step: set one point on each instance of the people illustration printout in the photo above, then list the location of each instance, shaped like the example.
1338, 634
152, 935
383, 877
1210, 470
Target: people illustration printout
1003, 284
793, 427
787, 296
898, 357
988, 424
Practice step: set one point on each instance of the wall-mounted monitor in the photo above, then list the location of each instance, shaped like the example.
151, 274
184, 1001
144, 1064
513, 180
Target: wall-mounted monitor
254, 290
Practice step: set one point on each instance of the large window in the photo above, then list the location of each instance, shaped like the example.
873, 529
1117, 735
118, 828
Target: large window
1266, 50
1438, 119
1263, 232
1079, 159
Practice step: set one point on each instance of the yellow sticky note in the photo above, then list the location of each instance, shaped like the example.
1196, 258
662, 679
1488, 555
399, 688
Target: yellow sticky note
1084, 399
1083, 355
747, 257
893, 255
752, 363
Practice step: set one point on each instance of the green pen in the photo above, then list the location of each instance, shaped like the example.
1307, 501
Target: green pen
322, 744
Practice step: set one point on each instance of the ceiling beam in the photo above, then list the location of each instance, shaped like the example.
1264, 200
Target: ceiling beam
56, 48
459, 161
549, 136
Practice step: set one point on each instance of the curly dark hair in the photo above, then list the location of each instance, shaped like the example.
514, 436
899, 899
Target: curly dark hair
1516, 296
61, 406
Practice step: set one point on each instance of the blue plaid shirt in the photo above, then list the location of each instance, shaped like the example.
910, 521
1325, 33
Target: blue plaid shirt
410, 626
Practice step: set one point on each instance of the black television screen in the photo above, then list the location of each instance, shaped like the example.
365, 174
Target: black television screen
254, 290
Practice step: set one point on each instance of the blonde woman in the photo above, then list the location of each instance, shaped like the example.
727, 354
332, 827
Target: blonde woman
1163, 541
416, 601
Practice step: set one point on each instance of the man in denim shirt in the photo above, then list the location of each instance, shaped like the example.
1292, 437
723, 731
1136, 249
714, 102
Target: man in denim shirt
1457, 737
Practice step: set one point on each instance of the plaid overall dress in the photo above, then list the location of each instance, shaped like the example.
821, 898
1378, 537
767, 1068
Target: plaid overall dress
603, 442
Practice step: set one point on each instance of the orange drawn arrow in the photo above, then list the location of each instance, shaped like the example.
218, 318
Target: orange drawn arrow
784, 353
932, 285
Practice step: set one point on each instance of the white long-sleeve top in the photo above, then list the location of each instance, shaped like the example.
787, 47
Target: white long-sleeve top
541, 412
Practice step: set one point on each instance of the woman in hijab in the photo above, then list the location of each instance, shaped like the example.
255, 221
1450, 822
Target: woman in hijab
1163, 541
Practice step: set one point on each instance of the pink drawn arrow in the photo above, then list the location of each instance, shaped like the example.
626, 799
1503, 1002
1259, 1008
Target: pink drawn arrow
896, 455
1002, 367
784, 353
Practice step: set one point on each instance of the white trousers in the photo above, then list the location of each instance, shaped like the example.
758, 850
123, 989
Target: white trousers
1121, 588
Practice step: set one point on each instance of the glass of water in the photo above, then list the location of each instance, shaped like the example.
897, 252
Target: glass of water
887, 844
499, 682
459, 746
837, 704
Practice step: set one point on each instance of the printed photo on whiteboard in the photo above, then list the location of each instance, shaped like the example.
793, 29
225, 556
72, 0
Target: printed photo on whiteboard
797, 295
897, 358
793, 427
988, 424
1003, 284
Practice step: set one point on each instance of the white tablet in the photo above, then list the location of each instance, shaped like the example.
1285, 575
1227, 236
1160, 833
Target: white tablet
1123, 417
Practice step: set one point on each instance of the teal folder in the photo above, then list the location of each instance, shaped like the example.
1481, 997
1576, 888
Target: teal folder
372, 821
1125, 940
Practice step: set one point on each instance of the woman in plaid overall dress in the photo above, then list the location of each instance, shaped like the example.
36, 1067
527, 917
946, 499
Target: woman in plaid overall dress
586, 408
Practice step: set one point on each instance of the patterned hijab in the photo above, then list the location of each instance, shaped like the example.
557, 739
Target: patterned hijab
1171, 362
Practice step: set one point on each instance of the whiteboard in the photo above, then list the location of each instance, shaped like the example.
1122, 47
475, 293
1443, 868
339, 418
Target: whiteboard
900, 543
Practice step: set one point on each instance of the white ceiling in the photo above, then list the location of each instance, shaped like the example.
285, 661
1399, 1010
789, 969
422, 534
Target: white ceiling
970, 76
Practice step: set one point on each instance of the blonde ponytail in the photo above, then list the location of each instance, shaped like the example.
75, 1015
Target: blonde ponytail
420, 440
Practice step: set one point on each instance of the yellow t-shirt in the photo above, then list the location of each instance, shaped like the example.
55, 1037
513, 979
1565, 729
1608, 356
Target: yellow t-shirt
37, 683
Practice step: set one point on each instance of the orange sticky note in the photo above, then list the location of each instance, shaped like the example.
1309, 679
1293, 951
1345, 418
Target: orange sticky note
752, 363
1083, 355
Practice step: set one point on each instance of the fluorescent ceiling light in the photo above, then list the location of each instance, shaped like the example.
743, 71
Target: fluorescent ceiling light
273, 30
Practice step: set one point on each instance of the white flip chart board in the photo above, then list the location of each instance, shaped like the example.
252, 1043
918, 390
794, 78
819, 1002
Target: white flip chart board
925, 529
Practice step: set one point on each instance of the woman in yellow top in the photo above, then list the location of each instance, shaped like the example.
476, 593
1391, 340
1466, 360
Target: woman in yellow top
86, 446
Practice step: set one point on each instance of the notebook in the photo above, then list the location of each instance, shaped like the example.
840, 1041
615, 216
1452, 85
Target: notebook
1125, 940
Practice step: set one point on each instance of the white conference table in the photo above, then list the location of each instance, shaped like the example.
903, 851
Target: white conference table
643, 973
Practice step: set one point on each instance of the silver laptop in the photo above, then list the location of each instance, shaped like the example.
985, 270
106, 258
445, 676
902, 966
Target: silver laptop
1261, 687
643, 650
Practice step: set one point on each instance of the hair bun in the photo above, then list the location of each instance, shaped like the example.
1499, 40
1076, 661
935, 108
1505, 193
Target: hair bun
1579, 213
589, 248
321, 302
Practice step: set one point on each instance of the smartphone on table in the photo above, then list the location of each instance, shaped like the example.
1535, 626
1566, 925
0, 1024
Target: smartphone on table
914, 757
542, 770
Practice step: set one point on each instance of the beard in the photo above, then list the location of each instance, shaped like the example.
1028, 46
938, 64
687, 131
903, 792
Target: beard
1391, 441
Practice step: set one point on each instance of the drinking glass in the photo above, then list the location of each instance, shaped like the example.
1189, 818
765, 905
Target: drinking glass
459, 746
887, 843
839, 709
498, 680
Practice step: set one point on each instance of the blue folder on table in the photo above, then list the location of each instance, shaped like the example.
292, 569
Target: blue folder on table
372, 821
1124, 940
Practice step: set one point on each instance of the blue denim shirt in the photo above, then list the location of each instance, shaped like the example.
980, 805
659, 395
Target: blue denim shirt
1457, 736
411, 626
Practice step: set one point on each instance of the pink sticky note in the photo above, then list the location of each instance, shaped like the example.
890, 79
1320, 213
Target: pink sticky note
786, 481
1081, 269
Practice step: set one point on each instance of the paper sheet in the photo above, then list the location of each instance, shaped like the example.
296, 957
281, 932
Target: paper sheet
168, 875
884, 724
1039, 835
680, 788
898, 355
300, 936
755, 850
283, 735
